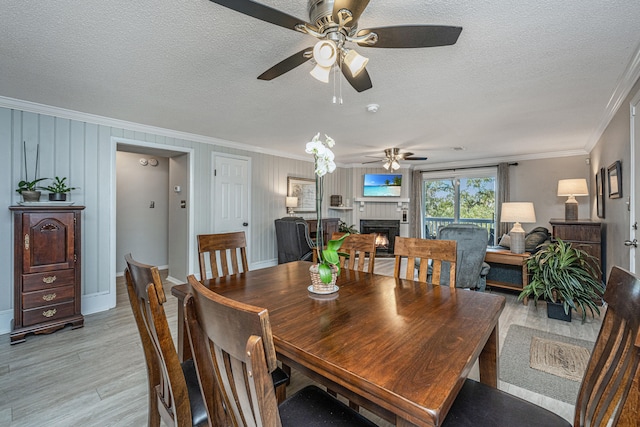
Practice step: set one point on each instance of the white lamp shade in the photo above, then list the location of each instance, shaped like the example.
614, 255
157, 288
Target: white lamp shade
291, 202
321, 73
325, 53
573, 187
517, 212
355, 62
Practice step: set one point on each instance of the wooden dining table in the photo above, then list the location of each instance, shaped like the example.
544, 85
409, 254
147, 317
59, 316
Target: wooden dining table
400, 348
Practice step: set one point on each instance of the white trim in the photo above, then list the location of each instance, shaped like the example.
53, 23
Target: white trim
634, 117
263, 264
6, 321
191, 238
95, 303
625, 83
32, 107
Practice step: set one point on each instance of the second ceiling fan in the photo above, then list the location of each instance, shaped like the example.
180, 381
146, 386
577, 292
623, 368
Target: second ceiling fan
334, 23
392, 157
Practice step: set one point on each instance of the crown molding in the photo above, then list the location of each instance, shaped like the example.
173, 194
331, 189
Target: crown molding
33, 107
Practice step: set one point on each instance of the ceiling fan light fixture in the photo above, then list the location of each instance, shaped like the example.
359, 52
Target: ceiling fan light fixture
355, 62
395, 165
387, 164
321, 73
325, 53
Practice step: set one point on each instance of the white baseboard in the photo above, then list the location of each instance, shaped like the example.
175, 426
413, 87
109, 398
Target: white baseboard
6, 318
263, 264
96, 303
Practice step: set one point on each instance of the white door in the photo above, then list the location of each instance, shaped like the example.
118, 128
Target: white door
634, 201
231, 193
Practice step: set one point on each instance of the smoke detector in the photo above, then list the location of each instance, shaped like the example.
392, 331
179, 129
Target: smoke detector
373, 108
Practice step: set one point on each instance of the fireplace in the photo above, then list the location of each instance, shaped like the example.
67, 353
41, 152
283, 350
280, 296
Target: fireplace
385, 230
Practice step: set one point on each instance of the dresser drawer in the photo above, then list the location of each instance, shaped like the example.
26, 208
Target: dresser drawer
50, 279
48, 297
577, 233
47, 313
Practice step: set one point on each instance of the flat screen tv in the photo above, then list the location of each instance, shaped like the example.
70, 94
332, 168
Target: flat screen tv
382, 185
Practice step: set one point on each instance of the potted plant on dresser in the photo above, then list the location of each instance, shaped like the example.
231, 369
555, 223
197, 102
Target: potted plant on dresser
58, 190
29, 190
567, 277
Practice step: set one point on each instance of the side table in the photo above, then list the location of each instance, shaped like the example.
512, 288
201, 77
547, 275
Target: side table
495, 256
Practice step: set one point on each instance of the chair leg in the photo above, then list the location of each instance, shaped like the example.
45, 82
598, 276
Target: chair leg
287, 370
281, 393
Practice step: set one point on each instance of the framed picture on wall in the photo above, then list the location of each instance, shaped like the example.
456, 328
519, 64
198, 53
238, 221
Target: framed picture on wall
600, 192
614, 175
305, 190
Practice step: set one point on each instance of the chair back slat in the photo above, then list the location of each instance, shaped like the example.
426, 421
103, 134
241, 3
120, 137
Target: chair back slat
233, 341
361, 249
411, 249
168, 396
607, 393
226, 253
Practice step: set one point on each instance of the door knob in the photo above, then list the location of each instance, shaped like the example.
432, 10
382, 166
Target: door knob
633, 243
245, 224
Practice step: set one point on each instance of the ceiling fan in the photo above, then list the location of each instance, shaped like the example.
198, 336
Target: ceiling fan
393, 156
333, 23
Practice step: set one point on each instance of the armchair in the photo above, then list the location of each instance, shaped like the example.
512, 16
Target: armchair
294, 243
471, 270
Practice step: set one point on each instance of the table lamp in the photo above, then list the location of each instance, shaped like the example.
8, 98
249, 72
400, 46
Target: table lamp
517, 212
572, 188
290, 203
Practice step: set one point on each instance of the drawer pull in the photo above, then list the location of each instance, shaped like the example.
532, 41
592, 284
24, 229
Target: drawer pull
49, 297
49, 279
49, 313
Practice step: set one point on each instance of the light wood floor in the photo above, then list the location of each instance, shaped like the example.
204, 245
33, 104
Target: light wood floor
95, 375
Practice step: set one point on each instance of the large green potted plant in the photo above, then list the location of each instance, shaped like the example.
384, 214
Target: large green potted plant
58, 189
564, 274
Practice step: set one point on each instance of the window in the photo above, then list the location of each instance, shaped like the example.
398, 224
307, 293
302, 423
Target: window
467, 196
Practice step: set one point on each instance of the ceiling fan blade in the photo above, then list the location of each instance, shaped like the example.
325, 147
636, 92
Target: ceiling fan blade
355, 6
415, 158
261, 12
403, 156
408, 36
361, 82
374, 161
286, 65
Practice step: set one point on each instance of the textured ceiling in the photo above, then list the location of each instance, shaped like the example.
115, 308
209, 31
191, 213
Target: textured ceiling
526, 79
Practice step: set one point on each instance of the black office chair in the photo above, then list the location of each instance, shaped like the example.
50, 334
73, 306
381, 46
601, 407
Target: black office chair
294, 242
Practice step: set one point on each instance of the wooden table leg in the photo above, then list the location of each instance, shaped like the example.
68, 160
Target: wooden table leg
489, 360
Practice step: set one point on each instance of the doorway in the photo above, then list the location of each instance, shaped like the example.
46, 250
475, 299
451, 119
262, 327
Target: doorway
231, 193
167, 212
634, 191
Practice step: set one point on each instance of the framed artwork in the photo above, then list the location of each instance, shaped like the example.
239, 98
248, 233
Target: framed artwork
600, 192
614, 176
305, 190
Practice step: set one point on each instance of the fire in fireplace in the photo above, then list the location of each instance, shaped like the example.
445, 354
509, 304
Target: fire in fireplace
385, 230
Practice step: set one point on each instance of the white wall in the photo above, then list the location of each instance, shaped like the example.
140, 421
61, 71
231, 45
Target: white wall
537, 181
140, 229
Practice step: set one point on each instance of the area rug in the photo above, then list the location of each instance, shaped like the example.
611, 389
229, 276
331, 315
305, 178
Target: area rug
558, 358
515, 364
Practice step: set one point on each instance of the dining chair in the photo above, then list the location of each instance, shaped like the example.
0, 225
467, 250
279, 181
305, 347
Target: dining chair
418, 252
233, 347
609, 394
360, 250
224, 253
174, 393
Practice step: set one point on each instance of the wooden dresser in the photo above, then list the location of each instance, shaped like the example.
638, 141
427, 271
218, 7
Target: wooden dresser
585, 234
329, 226
46, 274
